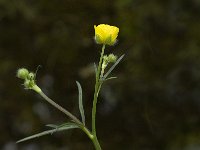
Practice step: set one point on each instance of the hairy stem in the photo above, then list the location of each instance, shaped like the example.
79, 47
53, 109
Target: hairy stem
80, 124
60, 108
91, 135
97, 89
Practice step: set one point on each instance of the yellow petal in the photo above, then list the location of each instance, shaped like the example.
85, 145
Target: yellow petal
106, 34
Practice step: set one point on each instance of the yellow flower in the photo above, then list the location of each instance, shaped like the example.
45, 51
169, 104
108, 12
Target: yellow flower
106, 34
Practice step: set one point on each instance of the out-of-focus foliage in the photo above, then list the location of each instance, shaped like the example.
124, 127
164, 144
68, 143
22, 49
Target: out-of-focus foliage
154, 104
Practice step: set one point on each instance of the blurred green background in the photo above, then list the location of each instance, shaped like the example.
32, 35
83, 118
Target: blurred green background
153, 105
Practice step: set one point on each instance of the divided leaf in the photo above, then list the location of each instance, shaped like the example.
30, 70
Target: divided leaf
62, 125
67, 126
52, 125
81, 102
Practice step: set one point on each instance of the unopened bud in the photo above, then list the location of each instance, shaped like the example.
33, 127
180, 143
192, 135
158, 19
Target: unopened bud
28, 84
112, 58
22, 73
31, 76
105, 58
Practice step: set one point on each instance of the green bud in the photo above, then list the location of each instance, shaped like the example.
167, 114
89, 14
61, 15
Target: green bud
31, 76
112, 58
104, 65
29, 79
22, 73
28, 84
105, 58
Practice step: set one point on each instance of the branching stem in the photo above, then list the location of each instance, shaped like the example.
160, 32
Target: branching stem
60, 108
92, 135
97, 89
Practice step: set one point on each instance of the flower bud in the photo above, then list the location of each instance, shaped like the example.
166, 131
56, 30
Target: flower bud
22, 73
28, 84
105, 58
112, 58
106, 34
31, 76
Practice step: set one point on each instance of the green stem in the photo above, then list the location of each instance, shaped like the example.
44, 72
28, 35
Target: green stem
60, 108
92, 137
97, 88
96, 143
81, 125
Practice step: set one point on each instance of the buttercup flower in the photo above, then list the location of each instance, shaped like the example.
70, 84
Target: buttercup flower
106, 34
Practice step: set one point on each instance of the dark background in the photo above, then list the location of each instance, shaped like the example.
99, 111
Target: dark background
153, 105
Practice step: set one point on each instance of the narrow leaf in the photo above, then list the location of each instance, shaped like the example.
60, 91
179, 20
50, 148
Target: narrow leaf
66, 124
81, 102
61, 125
66, 127
113, 67
52, 125
110, 78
